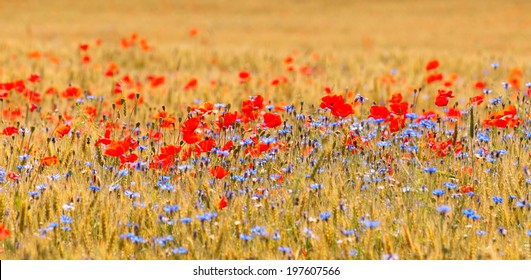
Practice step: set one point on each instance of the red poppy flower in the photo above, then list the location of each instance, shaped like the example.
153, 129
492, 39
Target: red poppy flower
441, 101
466, 189
342, 110
4, 232
105, 140
433, 78
84, 47
244, 76
445, 93
453, 112
191, 137
156, 81
13, 176
190, 125
399, 108
396, 123
63, 130
128, 159
477, 100
71, 92
85, 58
205, 146
433, 64
480, 85
329, 101
50, 160
254, 103
218, 172
379, 112
272, 120
10, 130
226, 120
34, 78
193, 32
288, 60
192, 84
165, 120
116, 149
91, 112
228, 146
442, 97
396, 98
112, 69
206, 109
170, 150
222, 203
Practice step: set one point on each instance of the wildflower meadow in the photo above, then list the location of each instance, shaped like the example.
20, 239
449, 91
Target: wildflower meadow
203, 138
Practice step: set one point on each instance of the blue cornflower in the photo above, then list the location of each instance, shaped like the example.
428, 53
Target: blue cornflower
495, 65
64, 219
502, 231
137, 239
170, 208
123, 172
475, 217
348, 231
497, 199
353, 253
94, 188
131, 194
505, 85
246, 237
276, 235
383, 144
520, 203
483, 137
469, 212
428, 124
371, 224
411, 116
186, 220
162, 241
481, 232
54, 177
450, 185
23, 157
260, 231
390, 257
325, 215
430, 170
207, 216
529, 232
438, 192
496, 101
444, 209
165, 185
285, 250
114, 187
34, 194
179, 250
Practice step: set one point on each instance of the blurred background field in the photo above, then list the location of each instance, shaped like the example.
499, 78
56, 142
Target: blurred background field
464, 27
